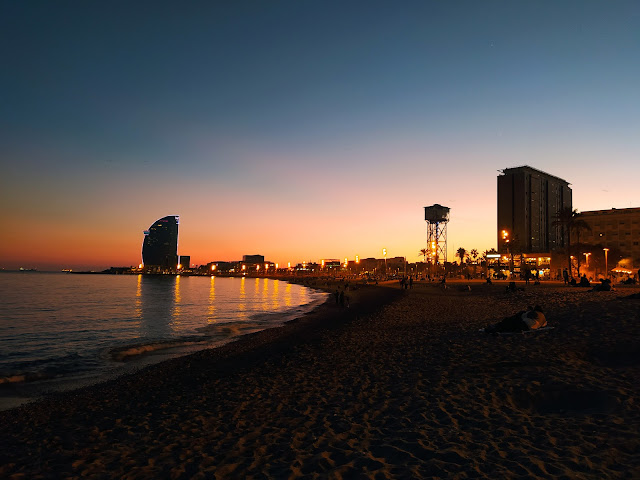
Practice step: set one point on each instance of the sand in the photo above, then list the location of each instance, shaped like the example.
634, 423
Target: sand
400, 385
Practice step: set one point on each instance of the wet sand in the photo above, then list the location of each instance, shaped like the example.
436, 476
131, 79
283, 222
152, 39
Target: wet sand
400, 385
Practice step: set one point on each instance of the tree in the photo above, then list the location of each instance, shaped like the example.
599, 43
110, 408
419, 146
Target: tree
462, 253
569, 220
474, 256
424, 252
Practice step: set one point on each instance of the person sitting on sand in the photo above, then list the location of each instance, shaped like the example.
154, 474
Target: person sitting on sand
605, 286
513, 288
584, 282
530, 319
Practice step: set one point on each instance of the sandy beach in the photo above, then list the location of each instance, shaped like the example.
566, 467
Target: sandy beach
400, 385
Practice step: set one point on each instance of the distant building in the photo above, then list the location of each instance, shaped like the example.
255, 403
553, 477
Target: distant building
185, 261
528, 201
253, 259
616, 229
160, 245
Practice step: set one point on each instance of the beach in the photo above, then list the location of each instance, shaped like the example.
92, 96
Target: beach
399, 385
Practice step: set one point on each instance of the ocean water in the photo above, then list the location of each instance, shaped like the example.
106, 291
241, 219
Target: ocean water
59, 330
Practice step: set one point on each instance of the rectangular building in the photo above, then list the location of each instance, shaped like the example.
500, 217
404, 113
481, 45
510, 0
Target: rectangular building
528, 201
618, 228
253, 259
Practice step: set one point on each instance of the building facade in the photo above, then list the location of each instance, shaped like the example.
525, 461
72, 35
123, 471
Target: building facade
615, 229
160, 245
528, 201
253, 259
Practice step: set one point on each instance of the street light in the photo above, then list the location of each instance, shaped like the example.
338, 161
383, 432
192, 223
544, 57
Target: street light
587, 258
606, 261
384, 252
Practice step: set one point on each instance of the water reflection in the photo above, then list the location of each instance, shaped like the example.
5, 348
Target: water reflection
242, 300
265, 293
157, 304
211, 311
287, 295
177, 308
275, 299
138, 307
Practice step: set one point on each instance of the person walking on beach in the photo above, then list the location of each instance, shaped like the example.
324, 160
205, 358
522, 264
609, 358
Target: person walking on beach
410, 282
565, 276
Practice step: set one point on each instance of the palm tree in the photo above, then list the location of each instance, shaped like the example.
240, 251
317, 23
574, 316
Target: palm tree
474, 256
569, 220
424, 252
461, 253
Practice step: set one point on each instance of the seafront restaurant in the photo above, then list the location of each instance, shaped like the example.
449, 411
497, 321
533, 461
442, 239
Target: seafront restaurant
514, 266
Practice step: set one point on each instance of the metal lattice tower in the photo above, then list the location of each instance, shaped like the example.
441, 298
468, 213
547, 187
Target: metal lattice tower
437, 218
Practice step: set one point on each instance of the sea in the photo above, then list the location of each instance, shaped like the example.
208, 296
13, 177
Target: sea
60, 331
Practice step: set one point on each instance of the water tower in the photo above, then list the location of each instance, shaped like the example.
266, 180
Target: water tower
437, 218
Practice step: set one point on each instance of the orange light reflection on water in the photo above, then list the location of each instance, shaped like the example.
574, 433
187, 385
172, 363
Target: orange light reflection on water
211, 312
177, 308
243, 298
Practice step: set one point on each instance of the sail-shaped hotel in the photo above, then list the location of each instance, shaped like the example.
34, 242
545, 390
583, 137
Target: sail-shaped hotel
160, 245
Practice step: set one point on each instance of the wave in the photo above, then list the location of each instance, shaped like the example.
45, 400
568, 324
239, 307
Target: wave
217, 333
127, 352
23, 378
43, 369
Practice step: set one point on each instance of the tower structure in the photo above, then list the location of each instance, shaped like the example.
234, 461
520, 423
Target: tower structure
437, 218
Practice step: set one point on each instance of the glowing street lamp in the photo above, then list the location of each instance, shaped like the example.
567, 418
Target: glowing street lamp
587, 258
357, 259
606, 261
346, 262
244, 267
384, 252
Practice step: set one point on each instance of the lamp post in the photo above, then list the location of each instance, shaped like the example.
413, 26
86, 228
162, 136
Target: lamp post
571, 267
384, 253
505, 238
586, 255
606, 261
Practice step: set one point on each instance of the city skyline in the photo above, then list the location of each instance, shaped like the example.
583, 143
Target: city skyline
303, 131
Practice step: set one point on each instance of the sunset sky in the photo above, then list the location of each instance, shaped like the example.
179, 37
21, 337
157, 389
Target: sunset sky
302, 130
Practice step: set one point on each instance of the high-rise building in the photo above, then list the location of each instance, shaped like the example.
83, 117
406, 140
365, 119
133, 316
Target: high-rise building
160, 245
618, 228
528, 202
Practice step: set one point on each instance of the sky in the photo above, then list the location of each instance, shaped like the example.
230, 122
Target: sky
302, 130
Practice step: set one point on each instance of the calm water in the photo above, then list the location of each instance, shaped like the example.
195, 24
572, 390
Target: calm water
57, 328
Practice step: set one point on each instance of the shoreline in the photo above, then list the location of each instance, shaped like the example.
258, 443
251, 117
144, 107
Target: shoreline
399, 385
15, 394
